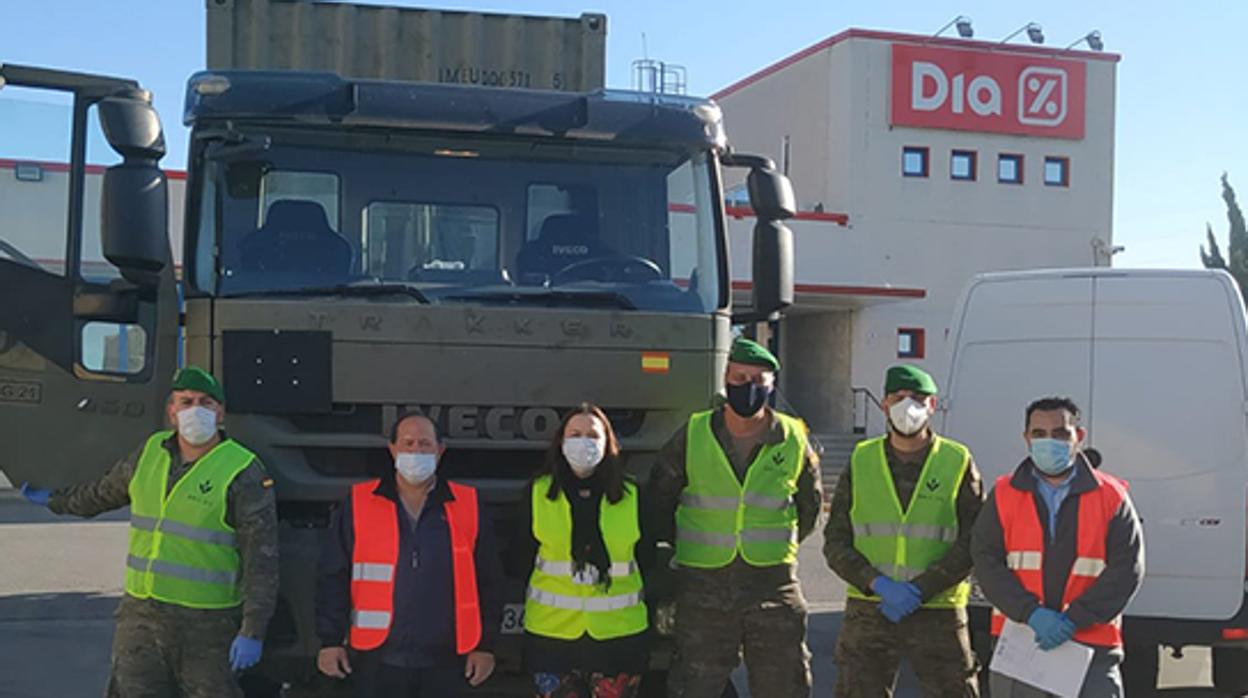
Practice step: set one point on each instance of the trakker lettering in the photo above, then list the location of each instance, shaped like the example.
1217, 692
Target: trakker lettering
990, 91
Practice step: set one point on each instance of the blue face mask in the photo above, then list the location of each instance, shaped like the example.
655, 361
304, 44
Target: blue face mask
1051, 456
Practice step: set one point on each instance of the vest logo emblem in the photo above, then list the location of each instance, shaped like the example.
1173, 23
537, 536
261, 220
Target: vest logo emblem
933, 484
777, 458
205, 487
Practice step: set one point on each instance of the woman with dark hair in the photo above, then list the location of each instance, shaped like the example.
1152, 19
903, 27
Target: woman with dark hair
584, 619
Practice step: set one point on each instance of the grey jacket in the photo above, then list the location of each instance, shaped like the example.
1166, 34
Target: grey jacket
1105, 599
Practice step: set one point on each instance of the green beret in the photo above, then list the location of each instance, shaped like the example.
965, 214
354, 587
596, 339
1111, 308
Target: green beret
196, 378
907, 377
752, 353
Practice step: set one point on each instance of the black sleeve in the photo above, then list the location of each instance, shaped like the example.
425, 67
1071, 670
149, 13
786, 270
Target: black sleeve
663, 489
838, 539
333, 579
995, 579
1124, 570
489, 582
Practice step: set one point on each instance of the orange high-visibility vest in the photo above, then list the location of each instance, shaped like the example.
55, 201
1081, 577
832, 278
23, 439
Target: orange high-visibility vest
376, 553
1024, 545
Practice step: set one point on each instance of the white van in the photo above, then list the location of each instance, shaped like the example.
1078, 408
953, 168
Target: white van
1158, 362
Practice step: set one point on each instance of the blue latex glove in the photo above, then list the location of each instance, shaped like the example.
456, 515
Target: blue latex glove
36, 495
245, 653
1052, 629
899, 599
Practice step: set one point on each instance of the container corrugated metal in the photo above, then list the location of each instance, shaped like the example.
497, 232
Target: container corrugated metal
397, 43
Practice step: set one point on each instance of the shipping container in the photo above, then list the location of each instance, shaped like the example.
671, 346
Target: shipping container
393, 43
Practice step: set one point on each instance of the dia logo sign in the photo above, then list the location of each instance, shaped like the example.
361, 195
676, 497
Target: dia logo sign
989, 91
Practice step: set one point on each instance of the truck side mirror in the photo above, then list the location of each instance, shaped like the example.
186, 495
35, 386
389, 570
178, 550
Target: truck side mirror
773, 267
134, 221
773, 201
134, 212
771, 194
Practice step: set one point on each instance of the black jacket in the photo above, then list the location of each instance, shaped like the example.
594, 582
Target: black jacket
423, 631
1105, 599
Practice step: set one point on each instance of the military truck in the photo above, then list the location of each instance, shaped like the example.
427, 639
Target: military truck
354, 247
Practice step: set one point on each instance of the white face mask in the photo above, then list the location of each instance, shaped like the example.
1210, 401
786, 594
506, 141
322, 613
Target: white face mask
909, 416
416, 468
197, 425
584, 454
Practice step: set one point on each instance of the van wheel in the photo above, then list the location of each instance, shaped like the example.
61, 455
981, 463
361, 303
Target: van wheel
1230, 670
1140, 669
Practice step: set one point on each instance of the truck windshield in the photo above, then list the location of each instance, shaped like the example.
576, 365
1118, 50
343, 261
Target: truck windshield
490, 222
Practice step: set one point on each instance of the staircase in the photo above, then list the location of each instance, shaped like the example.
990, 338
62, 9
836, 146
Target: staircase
834, 450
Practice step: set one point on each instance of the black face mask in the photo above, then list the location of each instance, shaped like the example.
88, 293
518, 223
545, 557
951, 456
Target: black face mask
747, 399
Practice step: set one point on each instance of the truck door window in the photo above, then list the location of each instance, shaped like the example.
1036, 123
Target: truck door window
34, 177
111, 347
430, 242
92, 266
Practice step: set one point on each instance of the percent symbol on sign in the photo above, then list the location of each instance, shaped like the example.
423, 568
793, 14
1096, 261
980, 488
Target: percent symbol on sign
1043, 90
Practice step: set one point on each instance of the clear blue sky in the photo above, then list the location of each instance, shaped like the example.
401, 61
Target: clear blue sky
1182, 97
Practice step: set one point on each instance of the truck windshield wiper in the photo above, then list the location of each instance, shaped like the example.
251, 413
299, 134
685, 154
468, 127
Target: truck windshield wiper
366, 288
538, 295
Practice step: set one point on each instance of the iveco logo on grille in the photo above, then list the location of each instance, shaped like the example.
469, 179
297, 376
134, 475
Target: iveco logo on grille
500, 423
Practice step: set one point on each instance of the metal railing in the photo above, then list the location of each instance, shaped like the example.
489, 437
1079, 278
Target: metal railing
868, 412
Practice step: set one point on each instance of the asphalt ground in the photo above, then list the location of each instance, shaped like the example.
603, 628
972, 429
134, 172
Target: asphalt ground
60, 580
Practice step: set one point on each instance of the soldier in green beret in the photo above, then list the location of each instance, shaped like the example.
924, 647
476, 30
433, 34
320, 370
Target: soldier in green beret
906, 569
735, 491
201, 574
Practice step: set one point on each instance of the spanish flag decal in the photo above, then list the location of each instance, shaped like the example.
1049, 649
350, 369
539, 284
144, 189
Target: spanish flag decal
656, 362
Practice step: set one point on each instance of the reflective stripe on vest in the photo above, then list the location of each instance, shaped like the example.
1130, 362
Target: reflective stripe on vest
565, 605
1024, 538
902, 545
182, 551
719, 518
375, 526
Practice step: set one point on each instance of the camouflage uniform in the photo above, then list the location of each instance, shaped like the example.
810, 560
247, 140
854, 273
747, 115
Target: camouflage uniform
720, 612
936, 640
164, 650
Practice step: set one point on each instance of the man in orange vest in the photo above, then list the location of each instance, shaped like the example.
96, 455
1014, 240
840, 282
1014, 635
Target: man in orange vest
1058, 546
409, 588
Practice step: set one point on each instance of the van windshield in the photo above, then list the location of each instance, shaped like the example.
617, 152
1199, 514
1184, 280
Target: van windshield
461, 222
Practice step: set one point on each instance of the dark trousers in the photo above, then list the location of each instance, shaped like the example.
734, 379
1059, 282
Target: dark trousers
373, 679
936, 640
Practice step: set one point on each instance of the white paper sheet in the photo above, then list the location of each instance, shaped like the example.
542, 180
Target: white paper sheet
1059, 671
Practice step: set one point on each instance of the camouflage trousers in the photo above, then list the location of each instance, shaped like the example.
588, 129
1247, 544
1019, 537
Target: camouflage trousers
745, 614
936, 641
172, 652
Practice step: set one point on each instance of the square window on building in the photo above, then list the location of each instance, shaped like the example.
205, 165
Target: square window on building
1057, 172
911, 343
1010, 169
914, 161
962, 165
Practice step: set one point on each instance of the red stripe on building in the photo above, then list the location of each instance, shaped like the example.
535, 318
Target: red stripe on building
63, 167
834, 290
